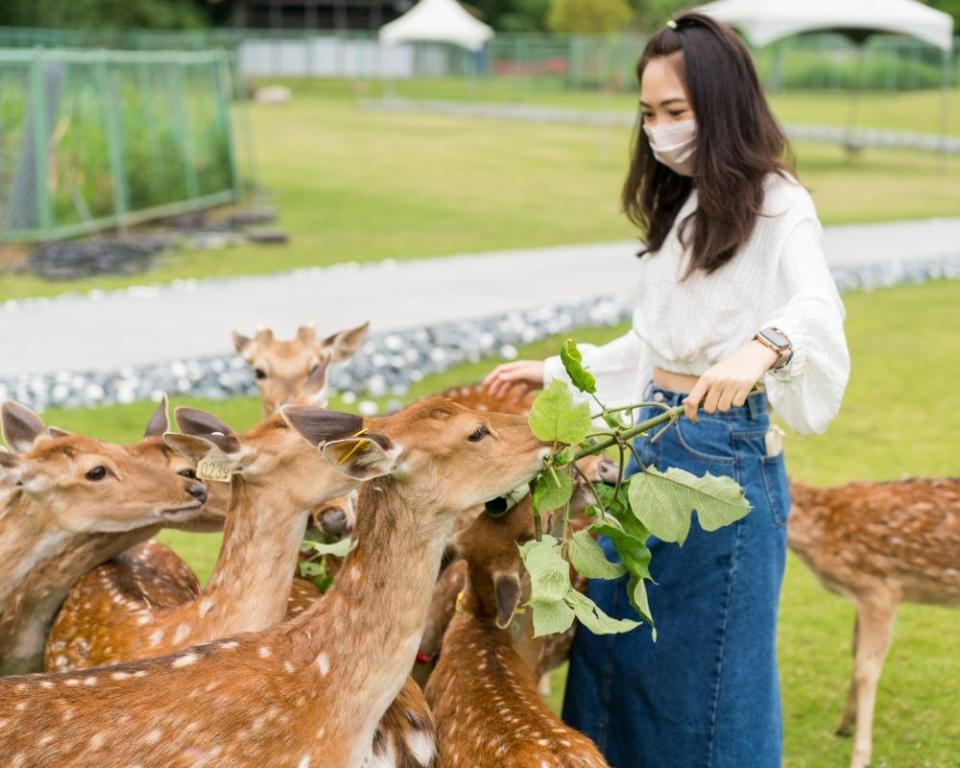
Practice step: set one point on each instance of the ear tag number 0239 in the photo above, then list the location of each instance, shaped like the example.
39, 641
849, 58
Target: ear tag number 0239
215, 469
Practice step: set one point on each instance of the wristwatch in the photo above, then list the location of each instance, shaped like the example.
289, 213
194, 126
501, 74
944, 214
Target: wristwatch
775, 339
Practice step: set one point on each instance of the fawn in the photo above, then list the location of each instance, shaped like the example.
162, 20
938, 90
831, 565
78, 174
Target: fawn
115, 614
71, 502
484, 693
244, 701
879, 544
295, 371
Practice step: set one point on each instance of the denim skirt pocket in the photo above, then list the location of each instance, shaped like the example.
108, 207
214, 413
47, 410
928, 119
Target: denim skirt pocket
777, 487
707, 441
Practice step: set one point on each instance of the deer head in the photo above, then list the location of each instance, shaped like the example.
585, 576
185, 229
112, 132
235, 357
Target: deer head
271, 454
87, 485
444, 457
295, 371
153, 450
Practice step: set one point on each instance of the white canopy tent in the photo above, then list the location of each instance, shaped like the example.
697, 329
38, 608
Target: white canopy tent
438, 21
765, 21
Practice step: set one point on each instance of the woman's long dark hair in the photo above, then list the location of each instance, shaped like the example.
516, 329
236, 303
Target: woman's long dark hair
738, 144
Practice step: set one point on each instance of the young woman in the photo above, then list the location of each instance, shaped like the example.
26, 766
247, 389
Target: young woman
736, 310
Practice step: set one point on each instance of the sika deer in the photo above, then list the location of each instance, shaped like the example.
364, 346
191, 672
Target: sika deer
311, 691
483, 692
879, 544
114, 615
295, 371
72, 502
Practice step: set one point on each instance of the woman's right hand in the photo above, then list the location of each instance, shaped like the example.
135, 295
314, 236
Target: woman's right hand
523, 375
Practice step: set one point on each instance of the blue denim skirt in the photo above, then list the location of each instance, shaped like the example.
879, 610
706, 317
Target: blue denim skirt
706, 693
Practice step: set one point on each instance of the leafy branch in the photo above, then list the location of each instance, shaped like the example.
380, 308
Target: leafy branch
649, 503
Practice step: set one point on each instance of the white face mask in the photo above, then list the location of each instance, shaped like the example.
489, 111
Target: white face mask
674, 144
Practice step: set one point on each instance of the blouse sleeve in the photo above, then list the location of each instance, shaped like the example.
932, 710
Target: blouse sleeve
808, 390
616, 366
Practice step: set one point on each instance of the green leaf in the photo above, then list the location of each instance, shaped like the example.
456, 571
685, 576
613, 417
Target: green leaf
337, 548
550, 617
664, 502
589, 559
637, 592
634, 553
589, 614
573, 363
549, 572
555, 417
564, 457
552, 490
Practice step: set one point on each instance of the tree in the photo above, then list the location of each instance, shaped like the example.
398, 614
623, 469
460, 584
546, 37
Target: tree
104, 14
588, 16
948, 6
513, 15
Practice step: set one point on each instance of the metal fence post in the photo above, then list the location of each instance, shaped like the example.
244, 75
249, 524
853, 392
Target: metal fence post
224, 105
41, 143
118, 178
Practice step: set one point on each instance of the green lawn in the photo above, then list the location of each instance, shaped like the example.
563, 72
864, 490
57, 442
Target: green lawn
901, 417
364, 186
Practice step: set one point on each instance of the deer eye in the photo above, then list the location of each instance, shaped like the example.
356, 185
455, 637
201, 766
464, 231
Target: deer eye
260, 373
96, 474
478, 434
188, 473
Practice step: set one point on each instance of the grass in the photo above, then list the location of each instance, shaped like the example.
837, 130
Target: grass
901, 416
366, 186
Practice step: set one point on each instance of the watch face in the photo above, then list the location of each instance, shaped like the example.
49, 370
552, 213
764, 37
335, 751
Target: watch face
775, 337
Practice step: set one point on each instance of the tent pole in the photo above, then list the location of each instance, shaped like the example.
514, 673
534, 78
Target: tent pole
852, 147
945, 107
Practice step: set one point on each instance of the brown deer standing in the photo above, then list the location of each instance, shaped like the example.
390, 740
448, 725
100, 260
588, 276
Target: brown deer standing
309, 692
483, 692
878, 544
71, 503
115, 614
295, 371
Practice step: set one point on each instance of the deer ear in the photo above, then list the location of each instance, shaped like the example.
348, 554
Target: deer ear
307, 334
363, 458
191, 447
313, 390
8, 461
345, 343
193, 421
318, 425
241, 343
506, 589
57, 432
21, 426
159, 423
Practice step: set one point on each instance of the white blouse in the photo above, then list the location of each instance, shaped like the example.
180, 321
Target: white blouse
779, 278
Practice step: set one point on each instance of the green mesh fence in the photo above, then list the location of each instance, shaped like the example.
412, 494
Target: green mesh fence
95, 139
585, 62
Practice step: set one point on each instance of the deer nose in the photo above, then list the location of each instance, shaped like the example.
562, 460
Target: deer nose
609, 471
197, 490
333, 521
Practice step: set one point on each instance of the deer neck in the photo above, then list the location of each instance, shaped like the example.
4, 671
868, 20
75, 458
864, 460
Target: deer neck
250, 585
362, 638
40, 563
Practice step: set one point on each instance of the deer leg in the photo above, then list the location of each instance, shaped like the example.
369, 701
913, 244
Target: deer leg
875, 621
849, 717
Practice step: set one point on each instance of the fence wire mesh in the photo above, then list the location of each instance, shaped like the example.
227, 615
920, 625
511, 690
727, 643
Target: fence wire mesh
97, 139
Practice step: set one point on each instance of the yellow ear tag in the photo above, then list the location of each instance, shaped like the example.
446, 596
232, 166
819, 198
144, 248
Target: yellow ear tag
361, 445
214, 468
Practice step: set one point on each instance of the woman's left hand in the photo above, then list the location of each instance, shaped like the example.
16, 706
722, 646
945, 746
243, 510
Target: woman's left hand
729, 382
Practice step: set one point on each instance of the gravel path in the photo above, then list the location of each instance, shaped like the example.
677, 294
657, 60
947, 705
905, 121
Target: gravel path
133, 342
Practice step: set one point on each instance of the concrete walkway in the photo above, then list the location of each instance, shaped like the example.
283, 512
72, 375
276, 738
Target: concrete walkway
106, 332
